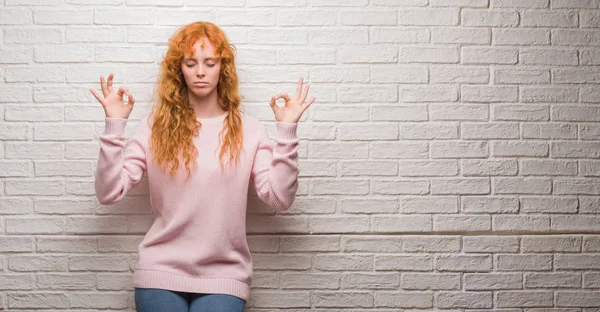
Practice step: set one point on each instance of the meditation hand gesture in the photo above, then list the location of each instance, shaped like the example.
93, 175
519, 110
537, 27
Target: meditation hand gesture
293, 109
113, 104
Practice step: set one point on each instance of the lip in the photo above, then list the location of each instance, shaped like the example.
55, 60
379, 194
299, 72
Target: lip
201, 83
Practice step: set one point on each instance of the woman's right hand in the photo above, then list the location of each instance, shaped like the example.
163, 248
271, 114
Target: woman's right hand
113, 104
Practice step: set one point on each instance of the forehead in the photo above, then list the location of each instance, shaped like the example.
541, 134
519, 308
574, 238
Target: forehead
203, 48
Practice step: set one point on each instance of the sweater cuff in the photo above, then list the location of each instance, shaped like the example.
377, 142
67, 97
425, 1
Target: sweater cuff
287, 130
114, 126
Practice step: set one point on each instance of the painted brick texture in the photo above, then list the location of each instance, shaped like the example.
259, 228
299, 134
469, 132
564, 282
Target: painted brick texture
451, 161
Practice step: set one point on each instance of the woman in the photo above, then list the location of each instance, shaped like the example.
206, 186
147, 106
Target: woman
200, 152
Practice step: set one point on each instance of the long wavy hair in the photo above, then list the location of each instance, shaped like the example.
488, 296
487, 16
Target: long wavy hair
174, 122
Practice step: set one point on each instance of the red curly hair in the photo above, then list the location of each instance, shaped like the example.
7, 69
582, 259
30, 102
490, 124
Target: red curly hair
175, 123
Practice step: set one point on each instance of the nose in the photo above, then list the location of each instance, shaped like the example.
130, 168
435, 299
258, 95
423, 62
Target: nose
200, 72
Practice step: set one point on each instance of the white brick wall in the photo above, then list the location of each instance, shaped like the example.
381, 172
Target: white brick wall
451, 161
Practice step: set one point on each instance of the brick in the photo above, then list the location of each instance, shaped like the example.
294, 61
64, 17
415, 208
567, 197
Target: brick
486, 244
288, 299
520, 223
16, 244
470, 300
37, 263
114, 281
493, 281
514, 299
402, 223
339, 224
464, 263
552, 280
489, 167
527, 262
66, 244
370, 281
408, 299
38, 300
431, 244
63, 16
17, 281
430, 281
428, 204
311, 17
577, 299
61, 281
490, 18
442, 111
305, 280
428, 17
403, 262
372, 244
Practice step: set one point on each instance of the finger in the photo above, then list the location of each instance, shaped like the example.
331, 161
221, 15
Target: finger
103, 86
95, 93
299, 87
305, 106
110, 82
284, 96
131, 99
122, 90
305, 94
273, 104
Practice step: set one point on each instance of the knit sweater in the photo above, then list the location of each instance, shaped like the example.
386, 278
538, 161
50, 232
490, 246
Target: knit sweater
197, 242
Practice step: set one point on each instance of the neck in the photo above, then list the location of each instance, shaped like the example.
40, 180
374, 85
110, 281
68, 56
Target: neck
207, 106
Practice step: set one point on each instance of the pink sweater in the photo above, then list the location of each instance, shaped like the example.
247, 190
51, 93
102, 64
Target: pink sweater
197, 242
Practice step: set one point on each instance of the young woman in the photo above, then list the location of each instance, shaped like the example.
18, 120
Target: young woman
200, 152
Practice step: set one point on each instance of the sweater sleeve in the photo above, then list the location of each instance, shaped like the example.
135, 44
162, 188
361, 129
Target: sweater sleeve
121, 163
275, 169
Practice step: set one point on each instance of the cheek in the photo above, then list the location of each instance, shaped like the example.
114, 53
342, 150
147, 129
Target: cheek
216, 73
187, 74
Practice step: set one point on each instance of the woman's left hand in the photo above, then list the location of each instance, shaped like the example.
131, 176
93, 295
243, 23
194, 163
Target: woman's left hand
294, 108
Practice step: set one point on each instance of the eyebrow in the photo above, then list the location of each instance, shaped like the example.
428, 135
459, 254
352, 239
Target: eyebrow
206, 59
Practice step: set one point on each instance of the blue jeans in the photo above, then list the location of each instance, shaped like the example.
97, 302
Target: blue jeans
161, 300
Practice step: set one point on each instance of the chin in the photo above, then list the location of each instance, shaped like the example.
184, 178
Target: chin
203, 92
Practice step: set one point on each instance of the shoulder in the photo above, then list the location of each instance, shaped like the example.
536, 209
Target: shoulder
251, 123
147, 122
254, 130
144, 126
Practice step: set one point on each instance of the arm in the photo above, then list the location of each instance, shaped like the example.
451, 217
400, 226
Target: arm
275, 170
121, 163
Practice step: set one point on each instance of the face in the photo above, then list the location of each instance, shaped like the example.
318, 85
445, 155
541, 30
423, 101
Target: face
202, 69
